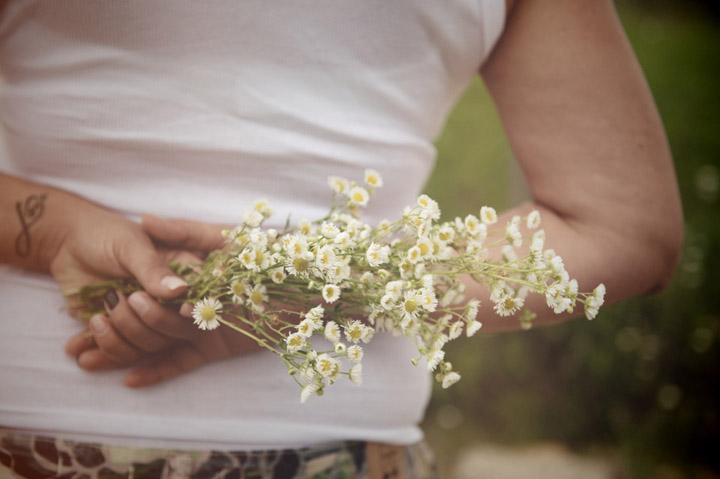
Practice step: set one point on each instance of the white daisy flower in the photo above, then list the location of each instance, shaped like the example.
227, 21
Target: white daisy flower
508, 253
326, 258
387, 302
367, 277
572, 287
472, 328
446, 234
488, 215
206, 313
332, 332
329, 230
294, 342
373, 178
355, 331
591, 309
307, 391
252, 218
339, 185
449, 379
428, 300
299, 265
557, 265
331, 293
599, 294
258, 238
394, 288
533, 219
414, 254
359, 196
367, 334
471, 309
356, 374
239, 288
306, 327
257, 297
513, 235
508, 305
327, 366
315, 313
440, 342
427, 281
377, 255
472, 225
409, 305
277, 275
295, 245
355, 353
455, 330
342, 239
429, 207
263, 207
340, 348
433, 358
426, 247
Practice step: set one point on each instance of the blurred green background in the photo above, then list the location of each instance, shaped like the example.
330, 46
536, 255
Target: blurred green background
639, 386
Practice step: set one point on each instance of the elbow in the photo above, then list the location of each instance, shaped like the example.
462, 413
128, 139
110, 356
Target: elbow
666, 246
669, 251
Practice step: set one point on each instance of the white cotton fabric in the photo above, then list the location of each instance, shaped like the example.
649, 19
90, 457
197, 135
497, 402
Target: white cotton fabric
191, 109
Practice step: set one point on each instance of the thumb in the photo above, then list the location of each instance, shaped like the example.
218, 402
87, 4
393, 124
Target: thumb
186, 234
140, 258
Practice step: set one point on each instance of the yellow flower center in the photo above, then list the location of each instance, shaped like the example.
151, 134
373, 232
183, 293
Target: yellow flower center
424, 249
355, 333
372, 180
325, 365
296, 341
238, 289
300, 265
410, 305
509, 303
256, 297
259, 257
207, 313
358, 197
444, 236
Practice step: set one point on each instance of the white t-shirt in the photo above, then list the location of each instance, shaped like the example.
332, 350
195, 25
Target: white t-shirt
193, 110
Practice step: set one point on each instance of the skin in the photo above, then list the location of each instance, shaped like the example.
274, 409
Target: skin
581, 122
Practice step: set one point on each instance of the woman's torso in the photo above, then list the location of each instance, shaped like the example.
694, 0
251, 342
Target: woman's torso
194, 109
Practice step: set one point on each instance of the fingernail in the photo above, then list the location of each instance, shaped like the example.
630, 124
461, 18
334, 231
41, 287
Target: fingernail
111, 298
172, 282
97, 324
138, 303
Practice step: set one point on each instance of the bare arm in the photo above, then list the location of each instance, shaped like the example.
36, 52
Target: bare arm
583, 125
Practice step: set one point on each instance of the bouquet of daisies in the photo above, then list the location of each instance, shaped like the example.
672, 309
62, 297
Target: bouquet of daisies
345, 280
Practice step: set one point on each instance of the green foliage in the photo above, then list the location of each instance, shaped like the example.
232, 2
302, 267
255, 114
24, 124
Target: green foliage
641, 378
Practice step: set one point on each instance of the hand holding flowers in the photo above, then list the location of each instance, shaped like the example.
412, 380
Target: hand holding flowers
344, 280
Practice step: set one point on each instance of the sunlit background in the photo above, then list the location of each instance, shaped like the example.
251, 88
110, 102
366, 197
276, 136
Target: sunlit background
633, 394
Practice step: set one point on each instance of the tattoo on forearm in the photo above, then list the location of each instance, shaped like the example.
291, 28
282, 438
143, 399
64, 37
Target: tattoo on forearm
29, 213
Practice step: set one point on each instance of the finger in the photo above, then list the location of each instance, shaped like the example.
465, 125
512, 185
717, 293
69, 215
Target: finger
79, 343
95, 360
140, 258
160, 319
179, 361
181, 256
126, 322
184, 233
111, 343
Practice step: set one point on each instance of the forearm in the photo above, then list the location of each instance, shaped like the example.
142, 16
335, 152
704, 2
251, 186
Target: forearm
34, 219
592, 253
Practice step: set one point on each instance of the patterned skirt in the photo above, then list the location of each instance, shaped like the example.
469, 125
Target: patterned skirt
30, 456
